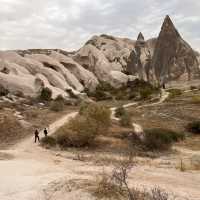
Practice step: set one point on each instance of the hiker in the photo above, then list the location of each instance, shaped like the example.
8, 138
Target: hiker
45, 132
37, 136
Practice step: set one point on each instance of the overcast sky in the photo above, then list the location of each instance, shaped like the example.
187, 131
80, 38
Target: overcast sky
68, 24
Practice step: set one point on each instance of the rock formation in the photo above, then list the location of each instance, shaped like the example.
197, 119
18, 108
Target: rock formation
173, 58
103, 58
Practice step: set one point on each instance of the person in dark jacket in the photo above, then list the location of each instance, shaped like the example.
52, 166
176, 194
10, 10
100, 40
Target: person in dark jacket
37, 138
45, 132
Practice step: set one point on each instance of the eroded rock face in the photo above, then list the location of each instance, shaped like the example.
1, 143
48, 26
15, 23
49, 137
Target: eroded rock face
173, 58
87, 78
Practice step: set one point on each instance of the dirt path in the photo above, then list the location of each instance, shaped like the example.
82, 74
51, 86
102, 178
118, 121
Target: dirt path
33, 173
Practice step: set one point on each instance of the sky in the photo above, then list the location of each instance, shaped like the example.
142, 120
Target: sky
68, 24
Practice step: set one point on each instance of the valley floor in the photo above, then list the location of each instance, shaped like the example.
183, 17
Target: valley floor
29, 172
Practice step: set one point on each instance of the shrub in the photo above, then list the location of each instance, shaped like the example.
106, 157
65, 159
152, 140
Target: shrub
194, 127
99, 115
195, 100
174, 93
57, 106
160, 139
145, 93
125, 120
79, 132
46, 94
3, 91
120, 111
48, 141
192, 87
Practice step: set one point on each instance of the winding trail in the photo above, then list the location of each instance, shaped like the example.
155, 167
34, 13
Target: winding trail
33, 169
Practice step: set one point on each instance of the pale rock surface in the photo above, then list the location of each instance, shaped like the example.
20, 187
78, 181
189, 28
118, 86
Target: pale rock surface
55, 91
84, 76
54, 64
95, 61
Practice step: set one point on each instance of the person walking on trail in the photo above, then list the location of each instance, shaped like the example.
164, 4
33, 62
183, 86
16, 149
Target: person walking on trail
37, 138
45, 132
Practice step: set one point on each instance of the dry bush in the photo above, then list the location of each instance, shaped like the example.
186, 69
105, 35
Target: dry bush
48, 142
194, 127
79, 132
195, 100
57, 106
116, 186
10, 129
161, 139
98, 114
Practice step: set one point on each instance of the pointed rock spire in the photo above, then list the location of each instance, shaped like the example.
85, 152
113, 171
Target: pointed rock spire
173, 57
140, 37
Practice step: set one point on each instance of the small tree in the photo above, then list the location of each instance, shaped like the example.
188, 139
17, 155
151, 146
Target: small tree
46, 94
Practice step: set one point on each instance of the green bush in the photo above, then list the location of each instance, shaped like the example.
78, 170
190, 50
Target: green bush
120, 111
48, 142
194, 127
195, 99
3, 91
161, 139
145, 93
174, 93
125, 120
46, 94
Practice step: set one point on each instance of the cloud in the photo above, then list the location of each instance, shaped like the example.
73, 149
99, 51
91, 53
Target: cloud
68, 24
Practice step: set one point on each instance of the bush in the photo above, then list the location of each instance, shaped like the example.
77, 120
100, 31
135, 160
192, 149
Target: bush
98, 114
145, 93
194, 127
174, 93
48, 142
46, 94
57, 106
125, 120
160, 139
120, 111
79, 132
82, 130
195, 100
3, 91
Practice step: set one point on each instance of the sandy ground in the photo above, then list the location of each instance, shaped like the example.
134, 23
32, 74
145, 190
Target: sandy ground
29, 172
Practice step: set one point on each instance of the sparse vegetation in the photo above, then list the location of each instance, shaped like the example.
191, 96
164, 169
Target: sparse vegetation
195, 99
194, 127
174, 93
48, 142
125, 120
160, 139
116, 187
137, 89
57, 106
120, 111
3, 91
46, 94
82, 130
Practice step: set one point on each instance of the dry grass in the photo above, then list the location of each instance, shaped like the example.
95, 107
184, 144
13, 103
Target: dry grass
10, 129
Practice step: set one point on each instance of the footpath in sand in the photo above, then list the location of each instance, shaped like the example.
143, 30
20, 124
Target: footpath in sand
29, 172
